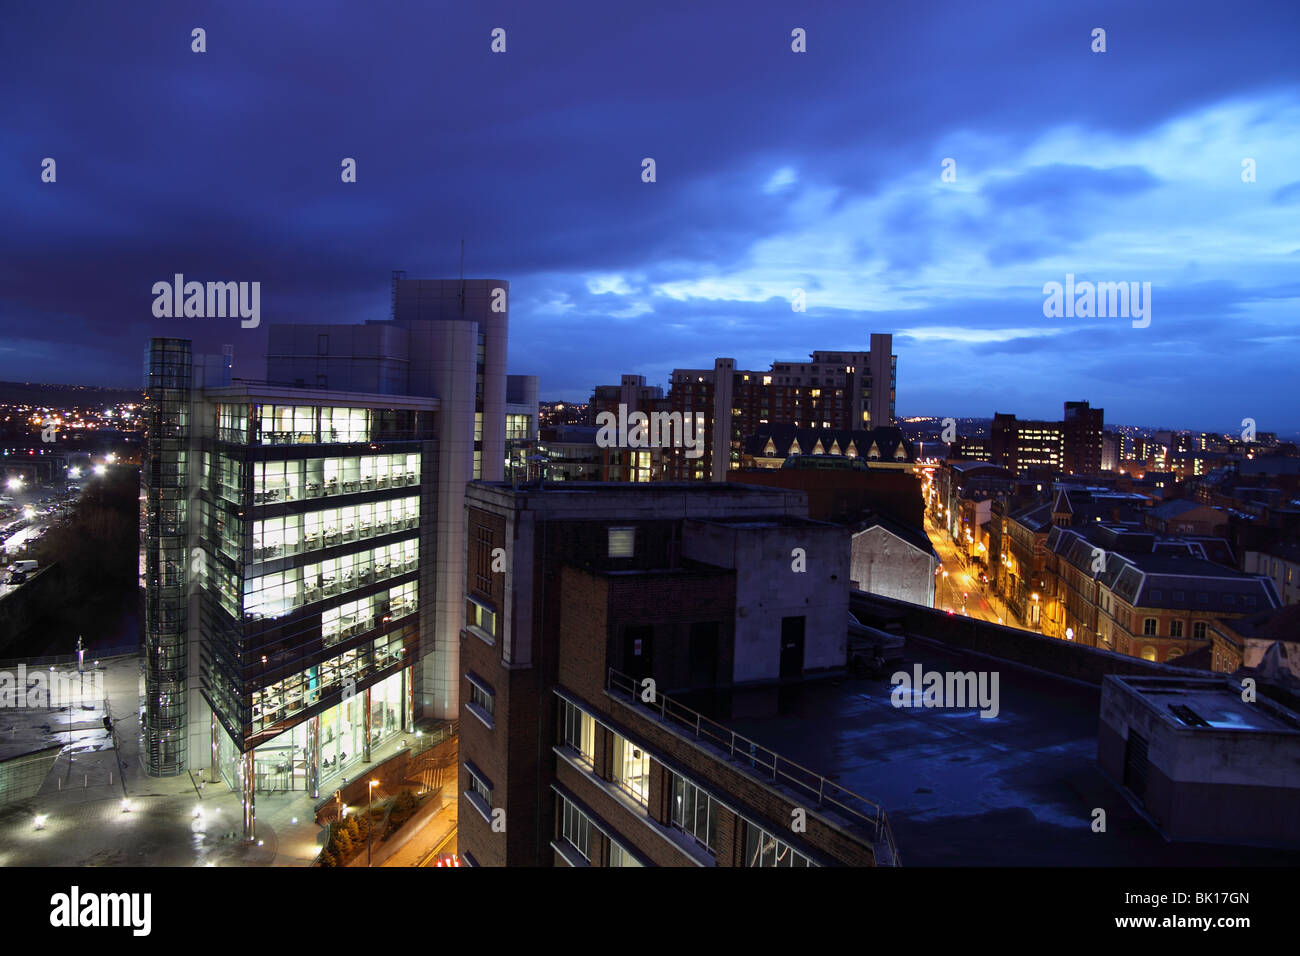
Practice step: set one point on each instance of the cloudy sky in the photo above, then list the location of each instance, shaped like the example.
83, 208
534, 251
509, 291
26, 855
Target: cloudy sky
775, 170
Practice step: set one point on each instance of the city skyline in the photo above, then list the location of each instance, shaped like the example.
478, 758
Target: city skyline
776, 170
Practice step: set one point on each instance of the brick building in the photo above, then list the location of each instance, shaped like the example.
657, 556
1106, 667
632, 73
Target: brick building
843, 390
577, 595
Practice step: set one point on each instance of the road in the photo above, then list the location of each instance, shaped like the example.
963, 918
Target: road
439, 849
979, 600
44, 514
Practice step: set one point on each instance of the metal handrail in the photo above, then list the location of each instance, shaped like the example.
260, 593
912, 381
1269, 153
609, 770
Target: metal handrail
774, 767
57, 660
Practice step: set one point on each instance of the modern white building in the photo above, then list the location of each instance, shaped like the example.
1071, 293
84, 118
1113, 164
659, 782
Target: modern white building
305, 535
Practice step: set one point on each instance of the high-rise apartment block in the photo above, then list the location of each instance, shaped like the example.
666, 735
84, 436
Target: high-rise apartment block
845, 390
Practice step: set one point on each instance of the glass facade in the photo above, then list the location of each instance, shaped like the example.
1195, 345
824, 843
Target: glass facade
242, 423
311, 559
285, 761
167, 564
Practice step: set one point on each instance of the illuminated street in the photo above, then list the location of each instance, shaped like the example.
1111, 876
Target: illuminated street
960, 590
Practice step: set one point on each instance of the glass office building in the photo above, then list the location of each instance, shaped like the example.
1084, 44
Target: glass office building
284, 532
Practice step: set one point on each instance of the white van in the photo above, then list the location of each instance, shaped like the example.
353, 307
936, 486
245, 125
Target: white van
26, 567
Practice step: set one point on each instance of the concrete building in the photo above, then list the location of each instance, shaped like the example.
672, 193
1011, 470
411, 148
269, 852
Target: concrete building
1199, 762
614, 600
893, 560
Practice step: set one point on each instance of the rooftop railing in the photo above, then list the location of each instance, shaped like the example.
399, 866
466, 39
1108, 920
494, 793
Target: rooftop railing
766, 764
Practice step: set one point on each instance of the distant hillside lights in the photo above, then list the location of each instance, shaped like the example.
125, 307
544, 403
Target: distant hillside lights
213, 300
656, 430
1103, 300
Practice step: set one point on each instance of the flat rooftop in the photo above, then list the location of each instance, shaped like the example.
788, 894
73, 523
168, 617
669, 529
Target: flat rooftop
1212, 701
960, 790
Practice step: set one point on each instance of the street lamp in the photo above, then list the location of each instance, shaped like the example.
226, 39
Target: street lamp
370, 823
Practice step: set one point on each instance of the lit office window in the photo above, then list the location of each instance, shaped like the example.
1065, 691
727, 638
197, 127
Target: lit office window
622, 542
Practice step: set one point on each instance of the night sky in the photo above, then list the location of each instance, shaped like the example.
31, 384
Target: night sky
776, 170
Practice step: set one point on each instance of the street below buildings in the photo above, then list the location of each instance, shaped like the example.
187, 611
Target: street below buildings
960, 590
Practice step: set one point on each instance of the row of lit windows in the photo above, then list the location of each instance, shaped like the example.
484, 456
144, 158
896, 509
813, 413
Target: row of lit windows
694, 809
574, 827
274, 595
277, 481
295, 534
302, 690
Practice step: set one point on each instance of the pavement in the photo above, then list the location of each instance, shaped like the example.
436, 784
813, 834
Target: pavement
101, 809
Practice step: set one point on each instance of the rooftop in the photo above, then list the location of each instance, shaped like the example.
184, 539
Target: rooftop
1209, 704
1015, 790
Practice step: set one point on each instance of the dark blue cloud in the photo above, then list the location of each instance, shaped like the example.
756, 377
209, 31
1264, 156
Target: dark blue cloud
225, 165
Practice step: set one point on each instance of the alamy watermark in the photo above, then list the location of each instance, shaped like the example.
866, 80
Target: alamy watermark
656, 430
1104, 300
948, 689
45, 688
75, 909
212, 300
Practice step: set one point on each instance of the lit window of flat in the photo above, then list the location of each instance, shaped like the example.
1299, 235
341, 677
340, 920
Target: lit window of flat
578, 730
632, 770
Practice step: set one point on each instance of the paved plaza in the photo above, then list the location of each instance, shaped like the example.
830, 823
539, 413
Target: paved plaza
99, 808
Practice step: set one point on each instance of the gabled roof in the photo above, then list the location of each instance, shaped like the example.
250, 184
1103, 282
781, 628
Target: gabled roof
916, 537
888, 442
